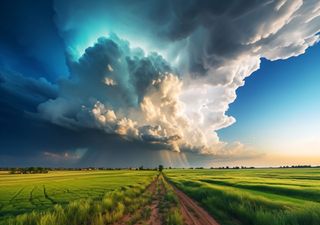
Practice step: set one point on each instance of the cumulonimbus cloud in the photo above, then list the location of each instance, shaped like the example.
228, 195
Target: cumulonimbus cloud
142, 102
211, 46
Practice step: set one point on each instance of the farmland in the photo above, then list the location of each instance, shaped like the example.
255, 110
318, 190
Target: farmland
254, 196
104, 197
23, 193
225, 197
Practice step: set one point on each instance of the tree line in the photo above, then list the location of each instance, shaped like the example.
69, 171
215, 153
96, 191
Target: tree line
28, 170
35, 170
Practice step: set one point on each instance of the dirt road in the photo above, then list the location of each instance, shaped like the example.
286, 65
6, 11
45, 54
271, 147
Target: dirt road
193, 214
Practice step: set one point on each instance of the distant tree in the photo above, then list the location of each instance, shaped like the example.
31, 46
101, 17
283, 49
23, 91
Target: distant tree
141, 168
29, 170
199, 168
12, 171
160, 168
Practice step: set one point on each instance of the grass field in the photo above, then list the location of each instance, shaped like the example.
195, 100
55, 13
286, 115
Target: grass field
24, 193
254, 196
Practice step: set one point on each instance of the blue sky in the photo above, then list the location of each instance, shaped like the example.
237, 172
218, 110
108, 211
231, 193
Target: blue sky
281, 99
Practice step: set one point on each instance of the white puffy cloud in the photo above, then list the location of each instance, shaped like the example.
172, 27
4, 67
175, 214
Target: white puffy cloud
157, 119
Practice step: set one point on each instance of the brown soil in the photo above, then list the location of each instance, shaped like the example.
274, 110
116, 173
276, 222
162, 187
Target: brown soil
192, 213
155, 218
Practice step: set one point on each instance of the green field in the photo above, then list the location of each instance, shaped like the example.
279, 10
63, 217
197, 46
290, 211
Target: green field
23, 193
254, 196
232, 197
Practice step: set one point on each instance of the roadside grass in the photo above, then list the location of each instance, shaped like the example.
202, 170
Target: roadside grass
174, 217
169, 204
138, 209
235, 198
141, 215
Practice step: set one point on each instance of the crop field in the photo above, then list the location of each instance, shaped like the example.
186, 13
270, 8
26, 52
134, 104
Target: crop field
23, 193
103, 197
225, 197
254, 196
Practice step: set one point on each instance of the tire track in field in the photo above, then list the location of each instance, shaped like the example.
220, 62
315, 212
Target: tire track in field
16, 194
1, 206
32, 199
155, 217
306, 195
47, 196
192, 212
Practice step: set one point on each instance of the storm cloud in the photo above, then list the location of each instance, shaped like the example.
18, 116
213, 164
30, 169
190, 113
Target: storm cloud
160, 74
212, 45
139, 101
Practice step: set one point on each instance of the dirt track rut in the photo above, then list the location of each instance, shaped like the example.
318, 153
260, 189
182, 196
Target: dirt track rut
193, 214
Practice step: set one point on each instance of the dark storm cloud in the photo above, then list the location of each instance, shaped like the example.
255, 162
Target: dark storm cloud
25, 138
29, 40
217, 32
27, 141
41, 143
145, 70
30, 90
132, 70
205, 35
111, 73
